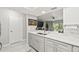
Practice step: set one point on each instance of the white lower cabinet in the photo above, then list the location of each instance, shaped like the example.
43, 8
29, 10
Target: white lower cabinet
75, 49
49, 45
63, 47
55, 46
36, 41
41, 44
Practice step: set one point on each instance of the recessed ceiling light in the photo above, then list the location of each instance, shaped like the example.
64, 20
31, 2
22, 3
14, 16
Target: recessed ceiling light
43, 12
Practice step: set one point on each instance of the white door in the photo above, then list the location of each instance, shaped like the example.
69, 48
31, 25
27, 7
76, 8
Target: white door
16, 27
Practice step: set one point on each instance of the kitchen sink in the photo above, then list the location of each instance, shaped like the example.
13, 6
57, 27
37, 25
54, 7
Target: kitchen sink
42, 33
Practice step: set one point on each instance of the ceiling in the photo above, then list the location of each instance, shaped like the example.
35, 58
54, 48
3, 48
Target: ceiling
57, 14
36, 11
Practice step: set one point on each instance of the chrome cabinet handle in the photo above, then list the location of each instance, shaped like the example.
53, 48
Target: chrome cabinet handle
0, 45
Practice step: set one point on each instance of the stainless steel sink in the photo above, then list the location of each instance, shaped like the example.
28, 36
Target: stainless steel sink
42, 33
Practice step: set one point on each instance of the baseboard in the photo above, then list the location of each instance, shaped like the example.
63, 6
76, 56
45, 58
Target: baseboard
5, 45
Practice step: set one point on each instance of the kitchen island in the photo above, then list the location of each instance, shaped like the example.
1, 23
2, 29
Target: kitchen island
54, 41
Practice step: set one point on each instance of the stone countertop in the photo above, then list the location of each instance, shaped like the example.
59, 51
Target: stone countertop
72, 39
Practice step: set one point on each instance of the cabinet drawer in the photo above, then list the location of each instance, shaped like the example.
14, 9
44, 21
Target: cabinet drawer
63, 47
58, 43
63, 50
49, 41
59, 46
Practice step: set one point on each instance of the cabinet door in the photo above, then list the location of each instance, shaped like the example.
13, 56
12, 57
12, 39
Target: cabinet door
75, 49
15, 27
33, 41
30, 39
49, 45
62, 47
39, 43
55, 46
36, 42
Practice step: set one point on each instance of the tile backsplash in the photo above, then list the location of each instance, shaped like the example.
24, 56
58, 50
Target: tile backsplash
71, 29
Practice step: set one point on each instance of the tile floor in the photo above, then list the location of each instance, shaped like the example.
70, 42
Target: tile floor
18, 47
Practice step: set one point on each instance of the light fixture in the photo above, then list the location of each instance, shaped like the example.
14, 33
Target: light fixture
43, 12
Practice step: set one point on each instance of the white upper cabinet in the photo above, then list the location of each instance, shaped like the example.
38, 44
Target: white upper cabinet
71, 15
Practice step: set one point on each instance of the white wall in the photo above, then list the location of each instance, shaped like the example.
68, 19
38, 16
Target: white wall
31, 17
15, 19
4, 38
71, 15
